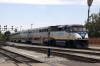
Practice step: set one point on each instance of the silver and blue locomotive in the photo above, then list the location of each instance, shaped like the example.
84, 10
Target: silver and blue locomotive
74, 36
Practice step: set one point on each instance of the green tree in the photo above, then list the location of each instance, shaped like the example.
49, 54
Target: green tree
7, 35
1, 36
93, 26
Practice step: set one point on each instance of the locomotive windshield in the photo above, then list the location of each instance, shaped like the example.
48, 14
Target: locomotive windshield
75, 29
78, 28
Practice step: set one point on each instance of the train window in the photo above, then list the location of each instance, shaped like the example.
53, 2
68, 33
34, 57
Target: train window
80, 29
29, 32
84, 29
30, 38
33, 31
59, 29
42, 30
54, 28
36, 38
45, 30
36, 31
39, 30
68, 29
75, 28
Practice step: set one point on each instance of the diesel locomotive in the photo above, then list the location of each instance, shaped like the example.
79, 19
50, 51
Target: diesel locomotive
74, 36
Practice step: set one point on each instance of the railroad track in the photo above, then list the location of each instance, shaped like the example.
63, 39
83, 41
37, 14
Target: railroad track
81, 56
92, 52
17, 58
87, 49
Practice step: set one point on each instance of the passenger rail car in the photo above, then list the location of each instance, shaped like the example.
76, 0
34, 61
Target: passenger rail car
74, 36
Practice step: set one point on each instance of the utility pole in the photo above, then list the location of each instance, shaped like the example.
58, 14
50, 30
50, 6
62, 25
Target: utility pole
20, 28
0, 28
49, 28
99, 12
89, 2
31, 26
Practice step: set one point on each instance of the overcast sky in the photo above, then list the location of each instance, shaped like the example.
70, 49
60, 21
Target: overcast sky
42, 13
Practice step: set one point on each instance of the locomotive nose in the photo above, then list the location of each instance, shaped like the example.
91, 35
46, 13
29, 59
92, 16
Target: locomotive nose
83, 36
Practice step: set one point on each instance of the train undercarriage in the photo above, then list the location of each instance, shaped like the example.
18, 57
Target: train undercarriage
70, 43
64, 43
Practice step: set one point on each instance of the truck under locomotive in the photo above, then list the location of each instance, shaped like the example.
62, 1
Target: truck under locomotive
74, 36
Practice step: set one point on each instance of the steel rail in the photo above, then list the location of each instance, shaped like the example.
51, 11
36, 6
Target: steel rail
20, 61
69, 55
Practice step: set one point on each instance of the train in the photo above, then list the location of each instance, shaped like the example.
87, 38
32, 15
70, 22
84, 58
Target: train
74, 36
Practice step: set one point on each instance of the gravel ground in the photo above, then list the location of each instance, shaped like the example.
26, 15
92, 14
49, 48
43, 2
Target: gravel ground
4, 60
37, 56
67, 62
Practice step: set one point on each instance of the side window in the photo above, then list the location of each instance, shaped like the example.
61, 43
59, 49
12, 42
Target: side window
68, 29
80, 29
60, 29
33, 31
54, 28
75, 29
29, 31
36, 38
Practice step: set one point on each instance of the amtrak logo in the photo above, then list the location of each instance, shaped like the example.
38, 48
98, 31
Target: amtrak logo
82, 35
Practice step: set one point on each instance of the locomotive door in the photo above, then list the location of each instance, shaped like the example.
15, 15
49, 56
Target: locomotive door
68, 32
49, 29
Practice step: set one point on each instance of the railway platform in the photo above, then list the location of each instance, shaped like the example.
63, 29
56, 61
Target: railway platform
56, 64
37, 56
32, 64
93, 46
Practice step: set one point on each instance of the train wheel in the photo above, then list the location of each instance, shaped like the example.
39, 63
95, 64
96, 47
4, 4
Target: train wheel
30, 42
26, 42
71, 44
53, 43
19, 41
84, 44
66, 44
45, 43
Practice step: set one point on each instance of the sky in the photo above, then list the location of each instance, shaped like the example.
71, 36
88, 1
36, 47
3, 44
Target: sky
43, 13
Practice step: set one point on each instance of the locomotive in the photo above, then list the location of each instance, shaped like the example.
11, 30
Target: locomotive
74, 36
